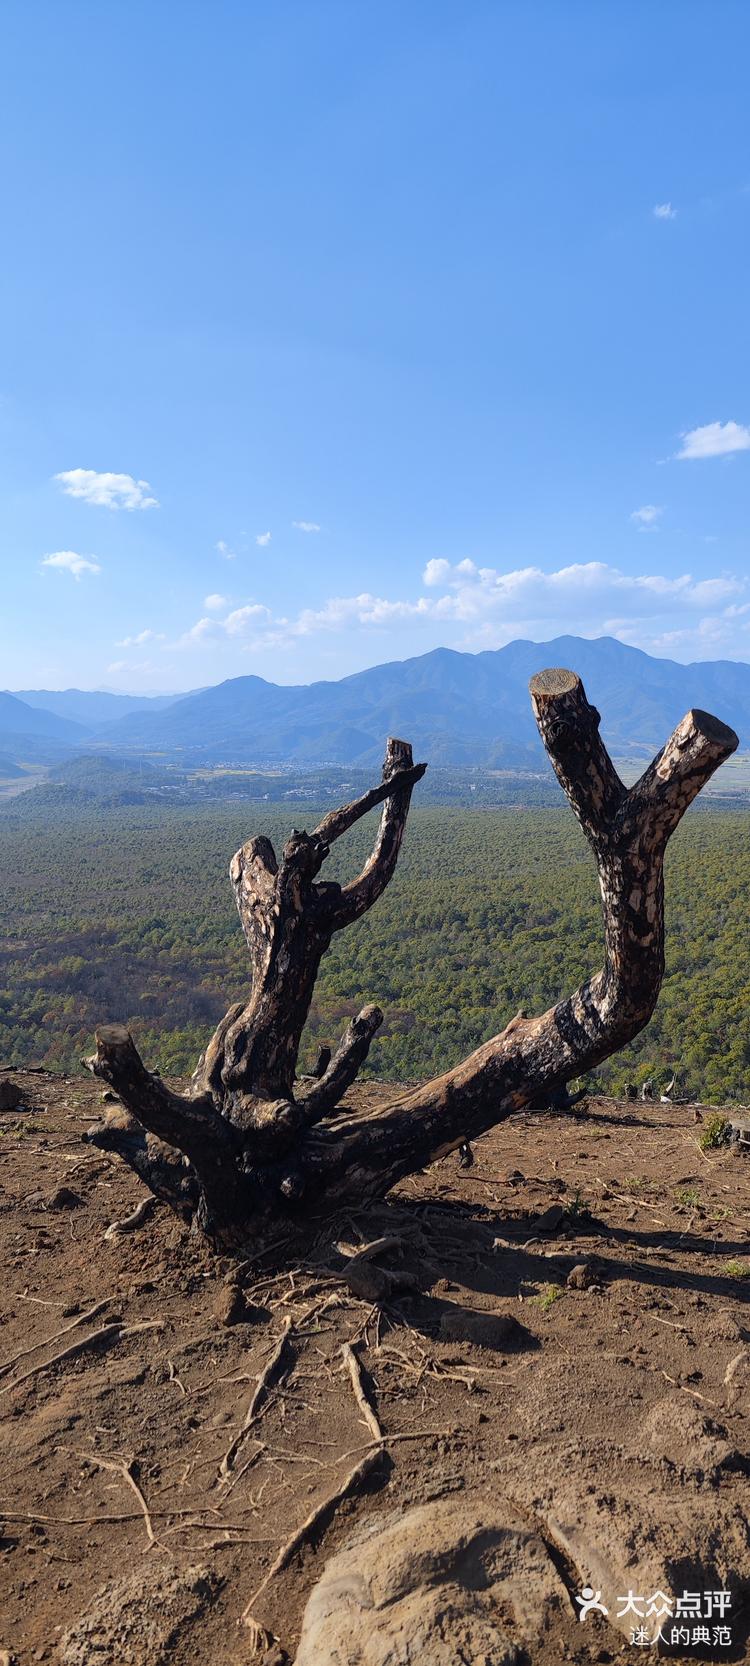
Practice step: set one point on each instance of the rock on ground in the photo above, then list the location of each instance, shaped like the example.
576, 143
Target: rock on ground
136, 1621
449, 1583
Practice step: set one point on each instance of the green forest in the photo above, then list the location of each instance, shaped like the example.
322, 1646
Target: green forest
128, 915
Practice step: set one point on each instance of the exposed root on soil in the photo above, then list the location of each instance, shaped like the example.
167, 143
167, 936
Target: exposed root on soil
131, 1222
253, 1411
355, 1372
92, 1313
105, 1335
124, 1467
328, 1504
173, 1378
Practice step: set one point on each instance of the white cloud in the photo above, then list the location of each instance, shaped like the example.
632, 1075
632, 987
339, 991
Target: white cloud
341, 611
263, 538
131, 665
436, 571
236, 624
588, 588
223, 549
715, 439
107, 491
306, 526
68, 562
215, 603
482, 607
143, 636
646, 517
664, 211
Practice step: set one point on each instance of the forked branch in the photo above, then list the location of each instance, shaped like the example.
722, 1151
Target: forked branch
628, 832
324, 1094
259, 1141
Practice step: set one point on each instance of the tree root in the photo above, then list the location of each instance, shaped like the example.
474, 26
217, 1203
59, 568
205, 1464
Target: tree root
351, 1481
131, 1222
82, 1319
368, 1412
123, 1467
105, 1335
253, 1411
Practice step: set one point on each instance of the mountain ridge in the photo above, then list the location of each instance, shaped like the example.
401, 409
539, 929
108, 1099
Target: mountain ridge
457, 709
91, 707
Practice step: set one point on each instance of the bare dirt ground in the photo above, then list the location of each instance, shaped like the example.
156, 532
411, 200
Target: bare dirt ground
612, 1417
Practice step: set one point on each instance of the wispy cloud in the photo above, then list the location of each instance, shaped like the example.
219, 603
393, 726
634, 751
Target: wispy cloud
215, 602
487, 607
715, 439
107, 491
471, 590
224, 550
471, 607
132, 665
664, 211
263, 538
306, 526
67, 561
646, 517
138, 641
235, 624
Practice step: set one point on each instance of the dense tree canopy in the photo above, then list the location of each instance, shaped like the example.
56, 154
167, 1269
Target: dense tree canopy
128, 915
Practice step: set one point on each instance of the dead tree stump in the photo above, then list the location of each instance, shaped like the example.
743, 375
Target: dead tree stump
252, 1141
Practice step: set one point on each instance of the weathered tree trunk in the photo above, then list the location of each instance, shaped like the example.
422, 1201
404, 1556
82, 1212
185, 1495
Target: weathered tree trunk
252, 1142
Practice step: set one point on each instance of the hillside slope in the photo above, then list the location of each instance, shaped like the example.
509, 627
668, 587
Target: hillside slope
457, 709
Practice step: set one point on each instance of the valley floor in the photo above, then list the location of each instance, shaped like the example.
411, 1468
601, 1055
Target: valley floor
613, 1420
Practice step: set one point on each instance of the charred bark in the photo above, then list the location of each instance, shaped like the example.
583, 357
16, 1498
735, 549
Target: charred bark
259, 1141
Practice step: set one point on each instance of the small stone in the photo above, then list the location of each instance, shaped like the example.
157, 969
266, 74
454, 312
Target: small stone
551, 1219
64, 1198
367, 1281
724, 1327
231, 1307
274, 1656
376, 1284
487, 1330
580, 1276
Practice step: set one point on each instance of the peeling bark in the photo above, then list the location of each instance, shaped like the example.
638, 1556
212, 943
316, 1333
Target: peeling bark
259, 1141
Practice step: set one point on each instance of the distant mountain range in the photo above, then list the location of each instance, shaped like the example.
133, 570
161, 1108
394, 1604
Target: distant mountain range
456, 709
92, 709
17, 717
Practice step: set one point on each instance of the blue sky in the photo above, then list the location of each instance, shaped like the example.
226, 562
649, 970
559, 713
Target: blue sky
333, 332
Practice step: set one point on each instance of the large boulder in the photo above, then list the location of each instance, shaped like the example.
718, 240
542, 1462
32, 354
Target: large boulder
449, 1583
